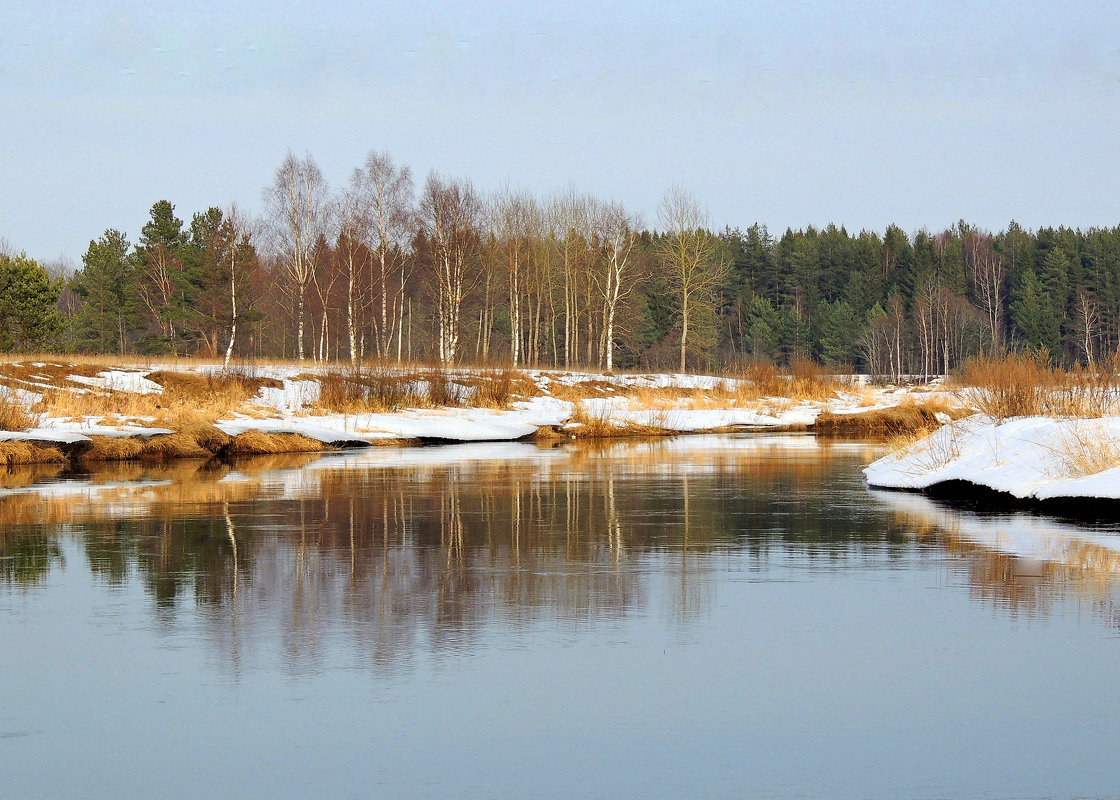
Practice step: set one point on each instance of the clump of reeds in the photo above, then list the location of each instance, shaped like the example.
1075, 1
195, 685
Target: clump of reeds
497, 388
254, 442
360, 390
805, 380
96, 403
13, 414
229, 388
601, 426
12, 453
155, 448
908, 420
440, 389
1027, 384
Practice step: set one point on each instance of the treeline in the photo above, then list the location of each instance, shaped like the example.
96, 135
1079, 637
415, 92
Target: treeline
380, 269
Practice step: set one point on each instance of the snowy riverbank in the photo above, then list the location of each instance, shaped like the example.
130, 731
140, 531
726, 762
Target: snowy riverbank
1027, 458
72, 404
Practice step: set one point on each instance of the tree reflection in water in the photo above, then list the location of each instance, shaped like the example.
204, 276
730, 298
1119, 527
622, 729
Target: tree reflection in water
403, 552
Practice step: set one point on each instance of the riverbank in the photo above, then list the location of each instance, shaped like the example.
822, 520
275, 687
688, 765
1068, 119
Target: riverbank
1032, 460
80, 411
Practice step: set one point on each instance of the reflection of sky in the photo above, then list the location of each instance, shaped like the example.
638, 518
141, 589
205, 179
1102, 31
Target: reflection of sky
787, 113
873, 681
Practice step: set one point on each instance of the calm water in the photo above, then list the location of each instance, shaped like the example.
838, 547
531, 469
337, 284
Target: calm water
705, 617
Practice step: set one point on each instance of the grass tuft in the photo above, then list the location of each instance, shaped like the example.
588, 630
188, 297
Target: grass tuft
253, 442
13, 414
907, 420
12, 453
1086, 449
156, 448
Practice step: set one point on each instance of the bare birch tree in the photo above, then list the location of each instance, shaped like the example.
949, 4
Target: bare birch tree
387, 193
513, 221
614, 229
242, 259
450, 212
692, 256
297, 207
987, 270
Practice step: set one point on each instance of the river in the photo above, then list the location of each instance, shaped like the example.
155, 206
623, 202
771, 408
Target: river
701, 617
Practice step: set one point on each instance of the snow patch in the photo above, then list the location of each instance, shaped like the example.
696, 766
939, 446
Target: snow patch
1026, 457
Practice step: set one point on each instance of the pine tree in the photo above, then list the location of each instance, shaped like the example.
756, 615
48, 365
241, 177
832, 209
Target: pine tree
106, 285
29, 316
1033, 314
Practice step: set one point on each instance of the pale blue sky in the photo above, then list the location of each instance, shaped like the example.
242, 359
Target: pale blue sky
786, 113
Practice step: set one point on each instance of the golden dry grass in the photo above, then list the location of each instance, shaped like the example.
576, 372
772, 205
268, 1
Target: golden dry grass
498, 388
254, 442
1027, 384
1086, 449
156, 448
363, 391
14, 415
12, 453
907, 421
231, 387
601, 426
805, 380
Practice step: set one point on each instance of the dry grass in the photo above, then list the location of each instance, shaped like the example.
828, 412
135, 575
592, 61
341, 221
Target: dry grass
804, 381
361, 391
1027, 384
1086, 449
12, 453
908, 420
498, 388
156, 448
13, 414
76, 405
254, 442
596, 426
228, 388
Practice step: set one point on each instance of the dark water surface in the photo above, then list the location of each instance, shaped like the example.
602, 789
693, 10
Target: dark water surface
703, 617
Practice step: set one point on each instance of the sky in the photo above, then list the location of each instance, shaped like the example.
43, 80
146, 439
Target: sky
792, 113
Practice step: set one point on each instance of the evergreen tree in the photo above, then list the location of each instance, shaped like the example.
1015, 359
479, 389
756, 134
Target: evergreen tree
762, 329
106, 285
1033, 315
168, 277
29, 316
839, 333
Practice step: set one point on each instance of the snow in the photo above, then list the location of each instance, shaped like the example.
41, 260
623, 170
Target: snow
119, 380
88, 426
293, 397
616, 411
450, 424
43, 435
1026, 457
21, 396
305, 427
292, 408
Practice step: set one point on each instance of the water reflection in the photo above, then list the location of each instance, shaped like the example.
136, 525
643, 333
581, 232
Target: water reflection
398, 548
1025, 563
399, 552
